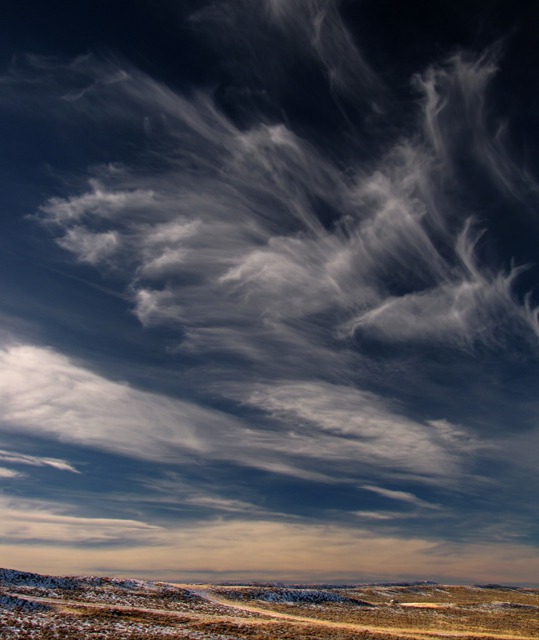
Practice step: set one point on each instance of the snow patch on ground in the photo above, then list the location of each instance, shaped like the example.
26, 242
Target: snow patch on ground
303, 596
10, 577
13, 603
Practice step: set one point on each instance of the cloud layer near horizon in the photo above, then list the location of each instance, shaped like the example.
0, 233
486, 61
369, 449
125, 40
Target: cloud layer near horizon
294, 552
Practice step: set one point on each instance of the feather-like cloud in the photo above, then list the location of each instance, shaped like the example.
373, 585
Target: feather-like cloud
317, 428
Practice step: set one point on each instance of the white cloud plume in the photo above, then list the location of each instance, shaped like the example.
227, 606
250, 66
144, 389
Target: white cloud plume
400, 496
377, 515
228, 240
453, 92
46, 394
15, 457
374, 434
317, 428
97, 202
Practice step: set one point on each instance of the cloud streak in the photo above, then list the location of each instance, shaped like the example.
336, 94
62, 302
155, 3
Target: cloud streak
45, 394
401, 496
36, 461
35, 522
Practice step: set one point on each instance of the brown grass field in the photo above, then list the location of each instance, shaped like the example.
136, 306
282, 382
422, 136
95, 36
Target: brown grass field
33, 606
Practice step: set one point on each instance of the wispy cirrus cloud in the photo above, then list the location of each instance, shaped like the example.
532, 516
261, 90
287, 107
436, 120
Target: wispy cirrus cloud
38, 522
321, 26
401, 496
458, 120
376, 434
45, 394
15, 457
397, 262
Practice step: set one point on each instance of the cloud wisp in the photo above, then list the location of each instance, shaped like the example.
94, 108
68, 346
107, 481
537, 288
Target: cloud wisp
14, 457
36, 522
46, 395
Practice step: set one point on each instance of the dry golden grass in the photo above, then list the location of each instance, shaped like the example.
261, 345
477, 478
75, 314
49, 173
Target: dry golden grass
255, 613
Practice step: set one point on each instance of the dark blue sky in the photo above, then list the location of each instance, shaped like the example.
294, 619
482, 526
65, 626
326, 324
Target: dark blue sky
270, 289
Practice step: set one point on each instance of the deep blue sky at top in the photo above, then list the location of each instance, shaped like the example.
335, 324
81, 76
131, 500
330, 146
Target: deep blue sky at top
270, 262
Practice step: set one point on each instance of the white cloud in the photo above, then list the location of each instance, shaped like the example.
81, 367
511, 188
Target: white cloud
400, 496
153, 307
34, 521
227, 242
317, 428
98, 202
46, 394
88, 246
459, 310
377, 515
309, 28
36, 461
451, 91
317, 25
455, 110
367, 427
9, 473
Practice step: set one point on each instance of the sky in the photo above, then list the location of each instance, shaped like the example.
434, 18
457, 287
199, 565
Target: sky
269, 295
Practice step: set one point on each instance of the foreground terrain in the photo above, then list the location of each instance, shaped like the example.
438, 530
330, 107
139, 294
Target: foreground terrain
35, 606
